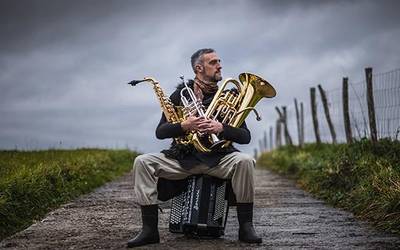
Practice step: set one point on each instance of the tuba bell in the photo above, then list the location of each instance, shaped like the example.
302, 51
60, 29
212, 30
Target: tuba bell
232, 106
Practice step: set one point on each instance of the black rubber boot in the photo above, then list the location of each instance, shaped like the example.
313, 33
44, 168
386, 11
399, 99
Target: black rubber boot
246, 230
149, 233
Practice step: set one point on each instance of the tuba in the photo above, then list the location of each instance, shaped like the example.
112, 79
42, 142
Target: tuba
231, 106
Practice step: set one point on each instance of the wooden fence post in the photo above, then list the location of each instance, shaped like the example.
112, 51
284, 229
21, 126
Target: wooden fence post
371, 106
302, 124
271, 146
265, 141
346, 115
327, 114
282, 118
298, 121
288, 138
255, 153
279, 128
314, 115
278, 141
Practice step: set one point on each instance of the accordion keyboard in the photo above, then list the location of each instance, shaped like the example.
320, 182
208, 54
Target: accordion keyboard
201, 209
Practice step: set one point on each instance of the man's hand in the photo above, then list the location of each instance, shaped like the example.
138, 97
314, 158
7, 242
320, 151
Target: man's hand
192, 123
209, 126
202, 125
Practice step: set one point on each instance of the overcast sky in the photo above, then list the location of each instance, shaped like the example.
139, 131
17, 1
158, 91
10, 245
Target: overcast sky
64, 65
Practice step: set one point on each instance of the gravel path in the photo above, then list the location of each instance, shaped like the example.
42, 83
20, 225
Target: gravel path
285, 216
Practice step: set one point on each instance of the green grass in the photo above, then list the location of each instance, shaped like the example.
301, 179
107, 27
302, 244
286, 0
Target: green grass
361, 177
33, 183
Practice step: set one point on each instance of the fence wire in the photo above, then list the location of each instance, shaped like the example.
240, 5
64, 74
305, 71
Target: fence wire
386, 91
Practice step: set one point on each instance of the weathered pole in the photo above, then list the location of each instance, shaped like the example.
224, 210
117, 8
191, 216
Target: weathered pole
278, 141
298, 121
288, 138
327, 114
279, 127
271, 146
265, 141
346, 114
314, 115
302, 124
371, 106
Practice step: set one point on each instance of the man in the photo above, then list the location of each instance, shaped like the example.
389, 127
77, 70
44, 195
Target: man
181, 161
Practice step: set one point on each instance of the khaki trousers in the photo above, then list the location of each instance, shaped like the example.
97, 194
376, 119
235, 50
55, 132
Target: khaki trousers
237, 166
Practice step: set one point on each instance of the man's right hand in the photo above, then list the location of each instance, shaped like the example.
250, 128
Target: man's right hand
192, 123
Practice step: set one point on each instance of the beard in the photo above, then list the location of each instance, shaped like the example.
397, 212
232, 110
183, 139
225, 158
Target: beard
217, 77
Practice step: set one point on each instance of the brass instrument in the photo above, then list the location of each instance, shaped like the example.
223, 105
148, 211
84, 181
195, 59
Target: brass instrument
233, 106
173, 114
228, 106
193, 106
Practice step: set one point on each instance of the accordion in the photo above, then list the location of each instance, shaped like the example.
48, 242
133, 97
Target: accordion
201, 209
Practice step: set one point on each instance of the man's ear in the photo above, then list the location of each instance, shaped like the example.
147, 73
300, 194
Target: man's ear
199, 68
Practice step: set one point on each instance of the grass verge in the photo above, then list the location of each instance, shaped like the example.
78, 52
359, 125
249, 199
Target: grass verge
361, 177
33, 183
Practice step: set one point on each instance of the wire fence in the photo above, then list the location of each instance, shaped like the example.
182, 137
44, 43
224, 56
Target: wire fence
386, 100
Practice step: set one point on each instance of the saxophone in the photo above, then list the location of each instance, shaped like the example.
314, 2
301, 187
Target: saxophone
173, 114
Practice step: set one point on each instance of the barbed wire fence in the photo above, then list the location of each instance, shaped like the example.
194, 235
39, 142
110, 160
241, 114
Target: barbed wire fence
366, 109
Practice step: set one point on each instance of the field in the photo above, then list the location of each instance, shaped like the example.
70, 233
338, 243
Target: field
32, 183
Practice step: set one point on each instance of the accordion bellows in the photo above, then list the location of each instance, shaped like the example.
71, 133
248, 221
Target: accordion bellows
201, 209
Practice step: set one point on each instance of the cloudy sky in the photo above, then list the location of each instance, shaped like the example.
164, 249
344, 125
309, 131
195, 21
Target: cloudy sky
65, 64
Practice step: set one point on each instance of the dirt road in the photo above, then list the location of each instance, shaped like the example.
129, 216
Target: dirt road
285, 216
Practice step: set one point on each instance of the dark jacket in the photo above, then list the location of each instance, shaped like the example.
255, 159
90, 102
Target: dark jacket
187, 155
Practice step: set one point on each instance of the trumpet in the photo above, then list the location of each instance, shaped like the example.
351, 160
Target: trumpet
193, 106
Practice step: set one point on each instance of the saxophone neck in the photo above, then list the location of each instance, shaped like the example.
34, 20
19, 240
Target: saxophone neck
151, 80
146, 79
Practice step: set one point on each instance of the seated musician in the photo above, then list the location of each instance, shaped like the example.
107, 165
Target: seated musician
181, 161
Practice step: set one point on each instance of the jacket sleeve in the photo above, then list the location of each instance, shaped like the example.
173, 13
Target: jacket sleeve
168, 130
239, 135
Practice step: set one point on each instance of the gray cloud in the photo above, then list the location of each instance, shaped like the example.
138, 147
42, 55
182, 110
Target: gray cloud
65, 65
